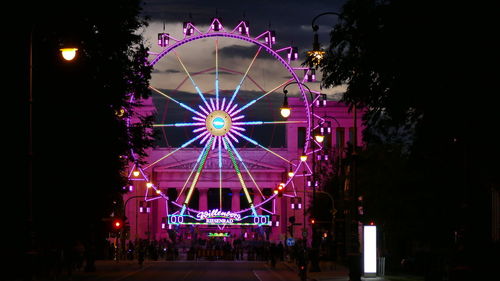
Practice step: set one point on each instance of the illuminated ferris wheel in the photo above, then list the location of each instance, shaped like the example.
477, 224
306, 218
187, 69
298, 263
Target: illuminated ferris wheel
221, 97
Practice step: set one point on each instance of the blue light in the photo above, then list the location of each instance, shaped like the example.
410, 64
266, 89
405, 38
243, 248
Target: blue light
218, 123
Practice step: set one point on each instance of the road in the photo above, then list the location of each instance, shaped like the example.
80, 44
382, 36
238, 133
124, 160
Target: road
186, 271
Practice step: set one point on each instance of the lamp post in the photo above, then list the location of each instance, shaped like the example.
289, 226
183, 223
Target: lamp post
30, 214
315, 57
316, 54
314, 240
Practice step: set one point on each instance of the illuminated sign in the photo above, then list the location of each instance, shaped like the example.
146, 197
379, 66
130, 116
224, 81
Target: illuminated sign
218, 217
225, 234
370, 250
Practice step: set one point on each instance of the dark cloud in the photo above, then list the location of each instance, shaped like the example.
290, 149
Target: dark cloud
165, 71
237, 51
290, 19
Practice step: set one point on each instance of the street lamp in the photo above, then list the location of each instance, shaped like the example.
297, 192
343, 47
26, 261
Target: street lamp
318, 138
315, 58
30, 214
285, 109
317, 54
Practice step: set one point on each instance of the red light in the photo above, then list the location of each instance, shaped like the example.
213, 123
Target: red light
372, 223
117, 224
280, 187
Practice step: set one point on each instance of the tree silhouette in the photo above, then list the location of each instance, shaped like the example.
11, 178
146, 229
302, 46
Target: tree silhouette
419, 68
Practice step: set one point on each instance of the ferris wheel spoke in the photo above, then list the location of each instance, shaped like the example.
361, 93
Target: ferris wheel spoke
189, 124
198, 173
243, 79
177, 149
260, 97
176, 101
233, 148
219, 143
193, 169
216, 74
192, 81
250, 123
263, 147
240, 177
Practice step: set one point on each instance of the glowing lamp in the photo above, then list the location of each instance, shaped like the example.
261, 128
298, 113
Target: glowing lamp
319, 138
285, 110
68, 53
149, 185
158, 191
117, 224
303, 158
370, 250
290, 174
136, 173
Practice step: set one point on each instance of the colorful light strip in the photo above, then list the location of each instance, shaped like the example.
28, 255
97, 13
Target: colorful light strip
198, 172
246, 168
238, 173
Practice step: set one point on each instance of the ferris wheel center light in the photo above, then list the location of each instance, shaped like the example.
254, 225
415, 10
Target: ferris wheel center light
218, 123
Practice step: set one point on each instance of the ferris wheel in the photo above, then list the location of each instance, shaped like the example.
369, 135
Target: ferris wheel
221, 96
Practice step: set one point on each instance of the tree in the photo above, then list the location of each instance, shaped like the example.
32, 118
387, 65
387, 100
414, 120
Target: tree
419, 68
80, 135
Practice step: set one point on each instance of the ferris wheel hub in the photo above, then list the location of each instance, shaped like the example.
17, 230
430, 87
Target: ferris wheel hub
218, 122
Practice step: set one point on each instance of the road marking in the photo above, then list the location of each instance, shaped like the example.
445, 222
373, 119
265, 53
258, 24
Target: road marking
186, 275
256, 275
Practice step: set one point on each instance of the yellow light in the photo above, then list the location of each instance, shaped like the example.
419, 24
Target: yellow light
136, 173
285, 111
303, 158
316, 56
290, 174
319, 138
68, 53
158, 191
149, 185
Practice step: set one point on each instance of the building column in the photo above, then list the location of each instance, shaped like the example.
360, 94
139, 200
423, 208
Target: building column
256, 200
235, 200
203, 203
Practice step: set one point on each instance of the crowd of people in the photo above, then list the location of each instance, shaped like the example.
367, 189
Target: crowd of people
209, 249
53, 261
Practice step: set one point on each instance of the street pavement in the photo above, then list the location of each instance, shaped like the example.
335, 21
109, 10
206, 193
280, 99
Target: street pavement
204, 271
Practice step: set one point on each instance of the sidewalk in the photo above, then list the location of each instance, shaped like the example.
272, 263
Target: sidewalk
330, 271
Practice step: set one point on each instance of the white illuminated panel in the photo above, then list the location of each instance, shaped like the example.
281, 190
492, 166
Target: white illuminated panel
370, 249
